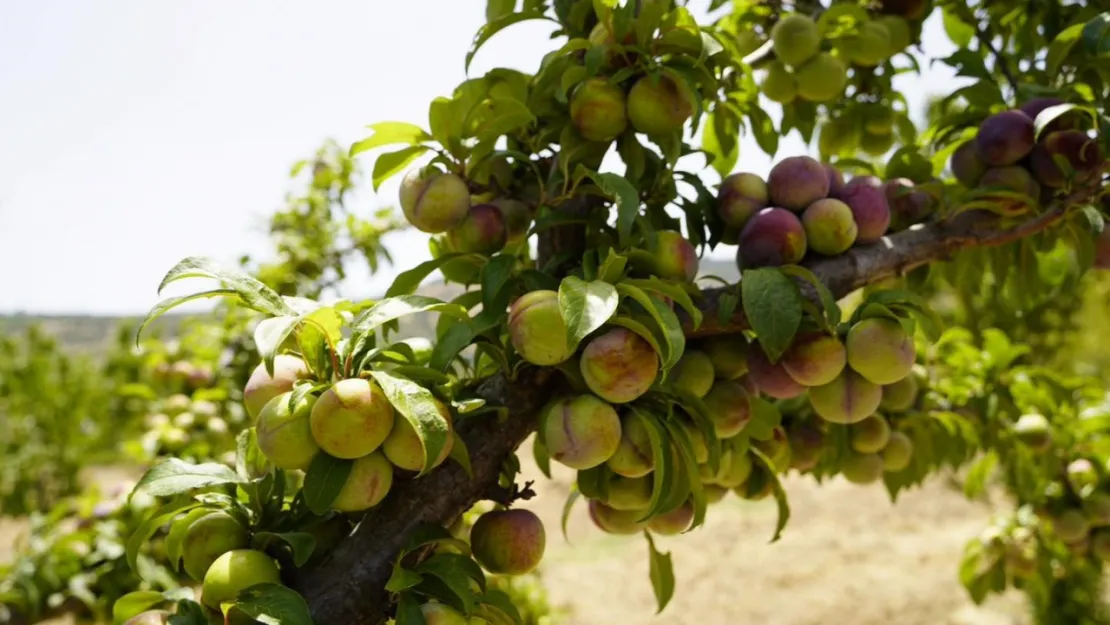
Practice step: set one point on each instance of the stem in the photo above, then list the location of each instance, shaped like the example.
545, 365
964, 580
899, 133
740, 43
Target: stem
999, 61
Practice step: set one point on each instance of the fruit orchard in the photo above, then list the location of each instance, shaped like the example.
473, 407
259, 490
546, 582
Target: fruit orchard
909, 292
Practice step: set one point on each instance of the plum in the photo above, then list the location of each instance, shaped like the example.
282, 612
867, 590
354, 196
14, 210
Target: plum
836, 179
598, 110
796, 182
537, 330
403, 447
830, 227
729, 407
869, 46
1012, 178
440, 614
285, 433
659, 105
897, 453
741, 196
862, 468
908, 205
871, 435
627, 493
899, 32
693, 373
508, 542
771, 378
822, 78
634, 457
806, 445
1071, 526
675, 257
580, 432
262, 387
619, 365
967, 164
795, 39
880, 350
208, 538
1036, 106
235, 571
910, 9
673, 522
482, 231
773, 237
869, 208
901, 395
729, 355
150, 617
517, 218
433, 201
367, 484
1033, 429
352, 418
621, 522
1082, 154
779, 83
814, 358
1005, 138
850, 398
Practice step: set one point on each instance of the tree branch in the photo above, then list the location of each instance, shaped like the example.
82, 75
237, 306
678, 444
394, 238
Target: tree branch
999, 61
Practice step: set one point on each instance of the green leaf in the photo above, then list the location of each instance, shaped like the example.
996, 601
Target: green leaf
390, 164
670, 328
1049, 115
979, 473
432, 534
254, 294
495, 276
456, 571
408, 611
828, 302
673, 291
773, 306
400, 306
499, 116
408, 281
542, 457
175, 477
157, 519
720, 139
302, 544
460, 454
585, 306
960, 32
323, 481
572, 497
1096, 35
133, 603
250, 462
626, 197
765, 417
388, 133
273, 604
766, 135
492, 28
170, 303
661, 571
776, 488
402, 578
419, 406
1061, 46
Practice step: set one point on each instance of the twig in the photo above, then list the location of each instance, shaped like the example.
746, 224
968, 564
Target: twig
999, 62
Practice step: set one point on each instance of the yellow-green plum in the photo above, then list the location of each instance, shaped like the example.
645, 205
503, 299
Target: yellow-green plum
901, 395
597, 110
822, 78
862, 468
871, 435
876, 144
714, 493
434, 201
729, 407
736, 467
850, 398
840, 134
729, 355
262, 387
693, 373
697, 441
482, 231
508, 542
659, 105
1033, 429
899, 32
1005, 138
779, 83
898, 452
771, 378
285, 434
870, 45
440, 614
777, 448
621, 522
772, 237
796, 182
795, 39
537, 329
880, 350
633, 457
208, 538
814, 358
967, 164
580, 432
352, 418
830, 227
674, 522
177, 403
741, 196
675, 257
403, 448
368, 483
174, 439
629, 493
1082, 476
619, 365
1071, 526
235, 571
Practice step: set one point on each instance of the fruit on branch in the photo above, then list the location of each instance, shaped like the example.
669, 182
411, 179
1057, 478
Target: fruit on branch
729, 355
880, 350
621, 522
537, 330
806, 445
771, 378
869, 208
580, 432
1097, 507
741, 196
482, 231
772, 237
795, 182
822, 78
693, 373
899, 33
830, 227
368, 483
814, 359
862, 468
901, 395
777, 448
673, 522
758, 486
779, 83
795, 39
659, 105
177, 403
261, 387
1082, 476
150, 617
1034, 431
235, 571
869, 46
516, 217
967, 164
1100, 545
619, 365
878, 119
403, 447
909, 9
850, 398
208, 538
352, 418
285, 434
598, 110
633, 457
714, 493
174, 439
1071, 526
871, 435
1005, 138
1082, 154
433, 201
1036, 106
508, 542
1014, 178
908, 205
440, 614
836, 179
697, 441
736, 468
675, 257
729, 406
839, 134
629, 493
876, 144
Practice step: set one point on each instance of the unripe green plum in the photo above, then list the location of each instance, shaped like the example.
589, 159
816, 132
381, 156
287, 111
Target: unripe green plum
779, 83
216, 426
822, 78
620, 522
185, 420
869, 47
814, 358
433, 201
629, 493
967, 164
235, 571
508, 542
659, 106
862, 468
714, 492
403, 448
675, 257
1034, 430
1082, 476
285, 435
901, 395
517, 218
581, 432
619, 365
795, 39
174, 439
1005, 138
208, 538
482, 231
876, 144
156, 421
597, 110
674, 522
806, 445
150, 617
369, 482
741, 196
261, 387
1071, 526
693, 373
176, 404
796, 182
772, 237
871, 435
697, 441
880, 350
840, 134
758, 486
830, 227
204, 409
771, 378
537, 329
850, 398
729, 407
736, 467
899, 32
352, 418
634, 457
440, 614
748, 41
898, 452
729, 355
1097, 507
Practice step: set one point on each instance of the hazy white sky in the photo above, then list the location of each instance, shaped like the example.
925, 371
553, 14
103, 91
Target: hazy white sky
134, 133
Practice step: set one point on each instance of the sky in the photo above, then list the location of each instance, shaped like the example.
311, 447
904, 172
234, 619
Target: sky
136, 133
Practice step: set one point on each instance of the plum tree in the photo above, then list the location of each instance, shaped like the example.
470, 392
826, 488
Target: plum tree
351, 419
508, 542
581, 432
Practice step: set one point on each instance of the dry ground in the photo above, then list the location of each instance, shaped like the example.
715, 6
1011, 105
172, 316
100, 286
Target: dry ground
847, 556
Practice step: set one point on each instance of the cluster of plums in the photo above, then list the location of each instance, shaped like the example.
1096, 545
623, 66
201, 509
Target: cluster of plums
179, 422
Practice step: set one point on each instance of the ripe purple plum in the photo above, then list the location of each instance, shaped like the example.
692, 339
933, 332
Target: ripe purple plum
869, 207
433, 201
235, 571
1082, 154
659, 105
262, 387
848, 399
537, 330
352, 418
772, 237
1012, 178
836, 179
368, 483
796, 182
880, 350
619, 365
908, 204
675, 257
815, 359
581, 432
597, 110
508, 542
967, 164
741, 196
830, 227
729, 407
285, 433
1005, 138
771, 379
482, 231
